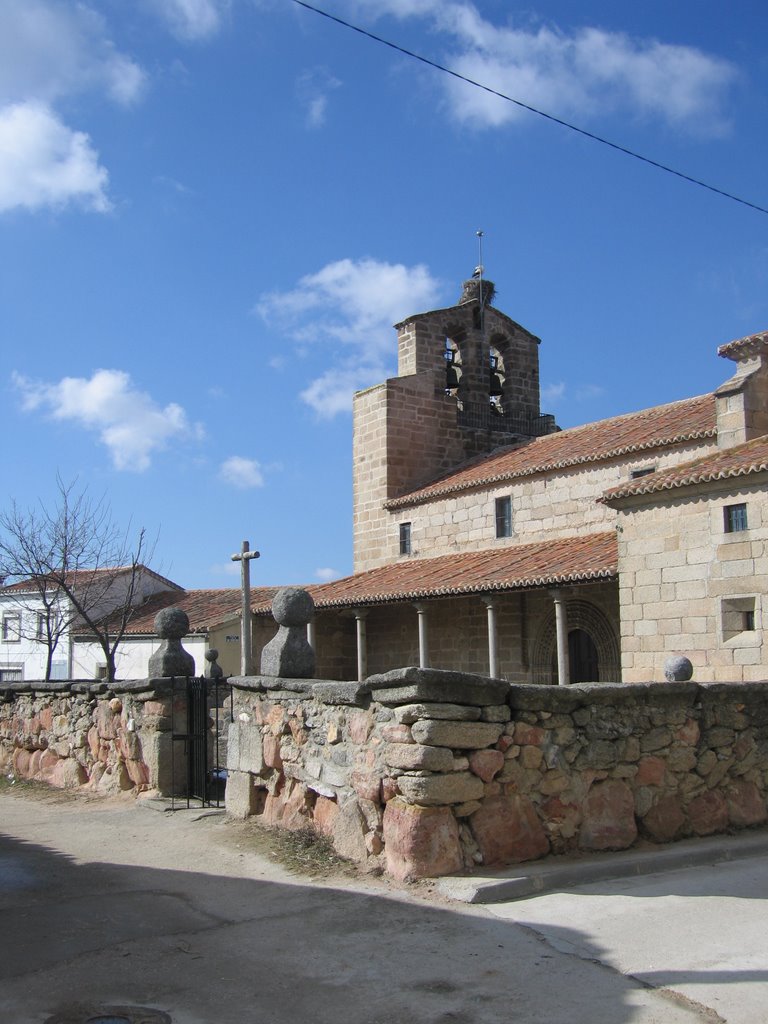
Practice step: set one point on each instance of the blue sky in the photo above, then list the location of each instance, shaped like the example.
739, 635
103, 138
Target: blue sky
211, 213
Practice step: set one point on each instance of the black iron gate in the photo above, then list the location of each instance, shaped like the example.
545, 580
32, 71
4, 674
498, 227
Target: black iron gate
202, 708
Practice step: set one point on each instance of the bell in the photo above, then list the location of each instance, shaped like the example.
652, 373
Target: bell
496, 389
451, 377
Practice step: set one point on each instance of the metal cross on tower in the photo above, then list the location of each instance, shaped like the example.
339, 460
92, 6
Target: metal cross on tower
244, 556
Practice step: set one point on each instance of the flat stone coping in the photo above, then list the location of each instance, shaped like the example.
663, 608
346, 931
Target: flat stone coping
535, 878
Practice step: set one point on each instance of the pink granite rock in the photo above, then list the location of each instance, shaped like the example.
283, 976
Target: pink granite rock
359, 724
271, 751
420, 842
650, 771
508, 830
528, 735
68, 774
708, 813
745, 804
689, 733
664, 820
608, 821
324, 815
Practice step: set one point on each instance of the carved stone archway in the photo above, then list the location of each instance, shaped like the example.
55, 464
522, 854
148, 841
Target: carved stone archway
585, 616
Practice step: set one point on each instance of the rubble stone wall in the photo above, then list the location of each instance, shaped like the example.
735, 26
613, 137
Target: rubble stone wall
426, 772
71, 734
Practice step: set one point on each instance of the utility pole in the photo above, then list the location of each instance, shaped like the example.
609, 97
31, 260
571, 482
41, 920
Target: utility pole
244, 556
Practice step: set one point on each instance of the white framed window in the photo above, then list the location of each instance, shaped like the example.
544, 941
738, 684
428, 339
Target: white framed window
11, 674
11, 632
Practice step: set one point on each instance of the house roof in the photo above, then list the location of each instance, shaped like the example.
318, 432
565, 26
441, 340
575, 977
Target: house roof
676, 423
82, 576
205, 608
726, 463
744, 347
516, 567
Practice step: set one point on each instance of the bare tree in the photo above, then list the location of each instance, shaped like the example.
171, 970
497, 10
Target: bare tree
76, 567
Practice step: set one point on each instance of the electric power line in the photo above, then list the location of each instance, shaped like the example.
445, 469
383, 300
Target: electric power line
528, 107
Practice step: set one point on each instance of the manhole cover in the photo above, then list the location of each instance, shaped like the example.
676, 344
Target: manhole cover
109, 1015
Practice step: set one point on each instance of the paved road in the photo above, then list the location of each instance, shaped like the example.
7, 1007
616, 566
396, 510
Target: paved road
701, 932
118, 905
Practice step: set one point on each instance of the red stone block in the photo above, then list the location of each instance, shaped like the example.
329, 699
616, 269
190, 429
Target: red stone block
708, 813
366, 785
689, 733
608, 817
271, 750
420, 842
359, 724
746, 805
46, 718
324, 815
389, 789
508, 830
664, 820
650, 771
393, 733
528, 735
486, 763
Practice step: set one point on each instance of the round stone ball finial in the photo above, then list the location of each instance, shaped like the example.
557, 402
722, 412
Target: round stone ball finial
171, 624
292, 606
678, 669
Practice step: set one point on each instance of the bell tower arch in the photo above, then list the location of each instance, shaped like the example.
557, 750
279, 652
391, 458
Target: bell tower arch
467, 383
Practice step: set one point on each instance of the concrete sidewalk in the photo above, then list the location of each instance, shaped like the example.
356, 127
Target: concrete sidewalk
117, 912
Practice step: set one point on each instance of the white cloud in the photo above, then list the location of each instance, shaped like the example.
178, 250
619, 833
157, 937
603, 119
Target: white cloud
128, 421
586, 72
45, 163
552, 393
241, 473
226, 569
50, 50
325, 575
312, 90
349, 306
190, 20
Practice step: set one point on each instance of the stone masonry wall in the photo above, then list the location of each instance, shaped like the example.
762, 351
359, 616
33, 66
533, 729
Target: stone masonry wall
562, 504
685, 584
71, 734
426, 772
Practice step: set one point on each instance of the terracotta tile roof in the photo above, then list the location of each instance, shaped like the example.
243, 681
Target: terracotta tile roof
741, 460
689, 420
750, 345
517, 567
78, 576
205, 608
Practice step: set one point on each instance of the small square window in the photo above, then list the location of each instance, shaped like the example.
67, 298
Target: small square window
405, 538
738, 617
11, 628
504, 517
735, 518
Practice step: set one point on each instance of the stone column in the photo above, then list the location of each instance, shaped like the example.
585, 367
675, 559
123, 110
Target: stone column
423, 636
362, 643
493, 645
561, 625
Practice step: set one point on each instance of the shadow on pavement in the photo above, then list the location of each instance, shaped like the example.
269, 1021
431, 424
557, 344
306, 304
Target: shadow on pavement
209, 949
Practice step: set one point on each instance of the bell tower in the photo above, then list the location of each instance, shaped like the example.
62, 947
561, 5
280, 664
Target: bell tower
467, 383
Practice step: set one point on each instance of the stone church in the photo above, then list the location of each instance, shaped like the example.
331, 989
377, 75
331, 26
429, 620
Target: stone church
488, 540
